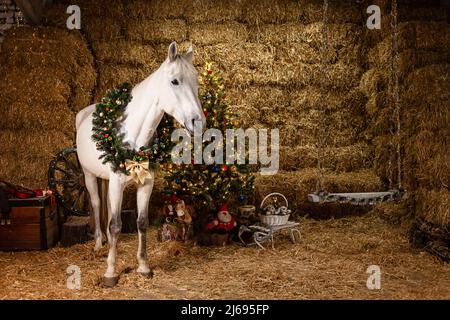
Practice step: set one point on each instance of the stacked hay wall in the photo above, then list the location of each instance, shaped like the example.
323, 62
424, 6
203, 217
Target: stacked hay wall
46, 75
269, 52
423, 60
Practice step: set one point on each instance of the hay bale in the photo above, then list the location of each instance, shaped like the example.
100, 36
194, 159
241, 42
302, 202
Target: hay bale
213, 10
258, 96
433, 206
311, 98
305, 133
382, 51
255, 12
373, 81
36, 167
249, 103
23, 115
95, 30
47, 50
340, 159
433, 36
213, 33
398, 213
431, 172
101, 8
432, 13
17, 170
243, 54
242, 64
82, 88
124, 52
338, 12
340, 75
140, 9
157, 9
383, 121
411, 59
339, 35
37, 46
28, 143
157, 31
111, 75
376, 103
432, 117
429, 84
31, 84
304, 53
422, 36
289, 33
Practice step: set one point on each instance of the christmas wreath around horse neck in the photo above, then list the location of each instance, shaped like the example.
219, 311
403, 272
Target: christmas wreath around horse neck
106, 134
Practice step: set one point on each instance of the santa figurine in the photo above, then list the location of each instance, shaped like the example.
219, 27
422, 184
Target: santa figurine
224, 222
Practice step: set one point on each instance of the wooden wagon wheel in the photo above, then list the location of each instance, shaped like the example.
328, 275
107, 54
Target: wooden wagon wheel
66, 179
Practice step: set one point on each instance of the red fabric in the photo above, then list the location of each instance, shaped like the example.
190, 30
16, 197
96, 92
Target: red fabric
24, 194
38, 192
223, 207
173, 198
216, 225
226, 226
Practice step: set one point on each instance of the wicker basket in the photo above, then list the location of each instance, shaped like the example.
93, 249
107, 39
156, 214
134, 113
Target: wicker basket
273, 220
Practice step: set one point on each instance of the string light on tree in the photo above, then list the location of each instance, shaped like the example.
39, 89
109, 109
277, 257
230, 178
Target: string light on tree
216, 183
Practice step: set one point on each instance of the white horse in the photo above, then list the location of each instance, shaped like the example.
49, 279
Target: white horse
173, 89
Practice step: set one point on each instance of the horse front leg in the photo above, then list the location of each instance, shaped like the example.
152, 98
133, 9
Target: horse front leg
115, 196
92, 187
143, 196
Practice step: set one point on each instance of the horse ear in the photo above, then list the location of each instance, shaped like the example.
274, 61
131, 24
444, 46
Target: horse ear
189, 53
172, 51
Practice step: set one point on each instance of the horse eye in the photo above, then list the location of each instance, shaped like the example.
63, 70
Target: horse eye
175, 82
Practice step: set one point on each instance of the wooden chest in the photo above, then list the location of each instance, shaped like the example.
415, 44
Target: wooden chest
32, 224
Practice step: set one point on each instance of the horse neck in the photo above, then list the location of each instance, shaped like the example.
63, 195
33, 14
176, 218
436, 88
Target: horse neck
143, 114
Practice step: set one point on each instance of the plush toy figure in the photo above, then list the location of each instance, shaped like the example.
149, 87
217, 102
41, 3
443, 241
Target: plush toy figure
178, 220
223, 223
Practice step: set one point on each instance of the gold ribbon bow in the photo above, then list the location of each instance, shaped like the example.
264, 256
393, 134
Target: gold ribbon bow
138, 170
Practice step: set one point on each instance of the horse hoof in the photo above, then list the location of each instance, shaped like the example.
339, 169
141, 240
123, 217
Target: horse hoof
148, 275
110, 282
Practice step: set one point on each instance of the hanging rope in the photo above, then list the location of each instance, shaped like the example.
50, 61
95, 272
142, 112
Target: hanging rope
365, 198
322, 129
395, 97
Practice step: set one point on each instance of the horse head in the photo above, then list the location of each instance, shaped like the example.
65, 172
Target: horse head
178, 94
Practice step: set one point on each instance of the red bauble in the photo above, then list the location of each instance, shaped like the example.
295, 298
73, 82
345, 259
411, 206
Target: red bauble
173, 198
210, 71
105, 135
225, 167
205, 113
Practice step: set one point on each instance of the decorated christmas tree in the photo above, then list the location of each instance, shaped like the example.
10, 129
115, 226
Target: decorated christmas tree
215, 184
